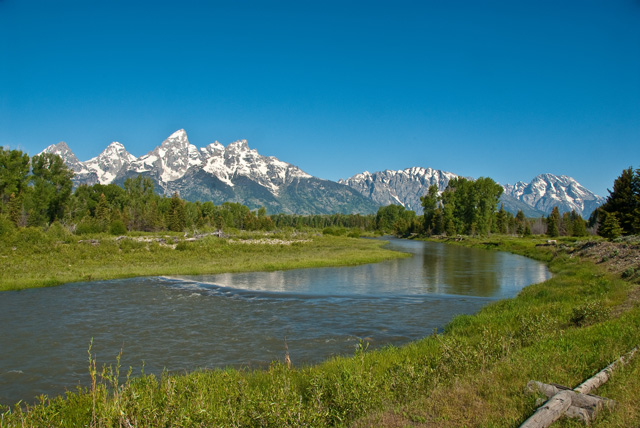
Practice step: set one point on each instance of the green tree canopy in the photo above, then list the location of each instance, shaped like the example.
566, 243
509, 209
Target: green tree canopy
14, 172
470, 206
51, 190
624, 203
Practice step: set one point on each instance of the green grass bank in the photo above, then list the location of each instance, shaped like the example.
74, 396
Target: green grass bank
474, 374
32, 258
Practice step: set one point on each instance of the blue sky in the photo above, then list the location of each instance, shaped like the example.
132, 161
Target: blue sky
501, 89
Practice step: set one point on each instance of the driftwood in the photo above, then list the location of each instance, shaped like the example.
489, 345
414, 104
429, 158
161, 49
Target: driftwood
581, 406
603, 375
550, 412
585, 401
576, 403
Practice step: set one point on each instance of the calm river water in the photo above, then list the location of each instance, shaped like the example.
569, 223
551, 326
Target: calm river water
240, 320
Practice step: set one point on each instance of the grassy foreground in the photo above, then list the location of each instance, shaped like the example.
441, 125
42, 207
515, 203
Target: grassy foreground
33, 258
563, 331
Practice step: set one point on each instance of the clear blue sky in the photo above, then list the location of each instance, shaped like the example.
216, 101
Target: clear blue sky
504, 89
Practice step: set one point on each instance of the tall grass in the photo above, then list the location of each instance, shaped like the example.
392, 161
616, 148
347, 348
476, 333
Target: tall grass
473, 374
33, 258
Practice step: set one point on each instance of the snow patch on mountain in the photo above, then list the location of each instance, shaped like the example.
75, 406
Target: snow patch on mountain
402, 187
108, 163
175, 157
547, 190
239, 173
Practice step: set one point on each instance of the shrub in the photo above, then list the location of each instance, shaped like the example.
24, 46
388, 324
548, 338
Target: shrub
89, 225
355, 233
335, 231
6, 226
589, 313
58, 232
117, 227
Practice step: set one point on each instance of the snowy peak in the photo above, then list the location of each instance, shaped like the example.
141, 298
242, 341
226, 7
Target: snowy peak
547, 190
405, 187
240, 174
61, 149
402, 187
171, 160
175, 157
108, 164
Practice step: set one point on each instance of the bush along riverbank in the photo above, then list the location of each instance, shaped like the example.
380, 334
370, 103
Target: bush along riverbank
473, 374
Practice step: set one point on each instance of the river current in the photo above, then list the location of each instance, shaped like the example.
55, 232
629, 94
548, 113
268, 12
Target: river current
243, 320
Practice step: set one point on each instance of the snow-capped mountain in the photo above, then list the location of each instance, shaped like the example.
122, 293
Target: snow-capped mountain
237, 173
404, 187
232, 174
101, 169
110, 162
61, 149
547, 191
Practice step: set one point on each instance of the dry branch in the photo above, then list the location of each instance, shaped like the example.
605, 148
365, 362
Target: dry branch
577, 403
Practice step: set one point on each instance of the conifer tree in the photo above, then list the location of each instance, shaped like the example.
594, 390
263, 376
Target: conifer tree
520, 222
501, 220
103, 213
624, 202
553, 221
610, 227
176, 221
579, 227
429, 206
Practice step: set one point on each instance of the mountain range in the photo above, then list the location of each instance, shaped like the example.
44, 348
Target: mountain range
237, 173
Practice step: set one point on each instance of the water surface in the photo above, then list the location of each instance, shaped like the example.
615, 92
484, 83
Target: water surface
239, 320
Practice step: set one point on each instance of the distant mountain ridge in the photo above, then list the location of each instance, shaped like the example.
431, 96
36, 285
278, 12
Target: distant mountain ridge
537, 198
546, 191
237, 173
404, 187
232, 174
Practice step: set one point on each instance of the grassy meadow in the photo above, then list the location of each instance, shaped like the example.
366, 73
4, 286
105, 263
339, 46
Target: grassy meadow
473, 374
33, 258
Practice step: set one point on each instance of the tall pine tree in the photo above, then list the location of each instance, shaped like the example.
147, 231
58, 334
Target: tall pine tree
624, 203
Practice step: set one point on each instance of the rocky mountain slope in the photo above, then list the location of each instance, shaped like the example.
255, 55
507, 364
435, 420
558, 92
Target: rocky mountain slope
547, 190
535, 199
404, 187
220, 174
237, 173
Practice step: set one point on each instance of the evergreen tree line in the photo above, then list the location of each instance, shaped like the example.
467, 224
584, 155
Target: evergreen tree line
38, 191
620, 214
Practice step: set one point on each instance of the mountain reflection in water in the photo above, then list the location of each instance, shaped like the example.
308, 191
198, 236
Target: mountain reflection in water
238, 320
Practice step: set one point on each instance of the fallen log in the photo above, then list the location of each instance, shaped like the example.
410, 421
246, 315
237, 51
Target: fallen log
603, 375
585, 401
550, 412
573, 403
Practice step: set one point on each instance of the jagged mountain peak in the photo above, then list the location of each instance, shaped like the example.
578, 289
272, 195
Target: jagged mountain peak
401, 187
61, 149
109, 163
180, 134
548, 190
240, 146
238, 173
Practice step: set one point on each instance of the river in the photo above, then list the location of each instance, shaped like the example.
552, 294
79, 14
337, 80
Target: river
243, 320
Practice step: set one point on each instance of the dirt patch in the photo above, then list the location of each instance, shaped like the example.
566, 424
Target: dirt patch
621, 258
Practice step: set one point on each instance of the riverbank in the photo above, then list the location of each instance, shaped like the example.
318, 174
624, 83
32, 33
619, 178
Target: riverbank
32, 258
561, 331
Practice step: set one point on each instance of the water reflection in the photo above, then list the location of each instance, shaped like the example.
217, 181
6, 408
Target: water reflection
435, 269
239, 320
